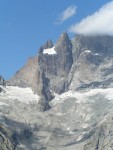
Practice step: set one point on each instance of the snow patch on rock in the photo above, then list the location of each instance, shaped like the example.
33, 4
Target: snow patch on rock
50, 51
96, 54
87, 51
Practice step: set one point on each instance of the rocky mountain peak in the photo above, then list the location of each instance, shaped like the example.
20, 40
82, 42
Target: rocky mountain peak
57, 67
75, 64
63, 42
47, 45
64, 36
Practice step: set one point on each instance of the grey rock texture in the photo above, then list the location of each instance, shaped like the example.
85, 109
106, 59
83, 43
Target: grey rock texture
48, 44
57, 67
53, 70
92, 67
42, 88
25, 77
6, 140
101, 138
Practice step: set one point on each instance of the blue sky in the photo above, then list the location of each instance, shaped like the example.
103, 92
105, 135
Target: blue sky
27, 24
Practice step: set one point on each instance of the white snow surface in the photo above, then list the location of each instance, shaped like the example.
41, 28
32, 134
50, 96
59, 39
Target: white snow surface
87, 51
83, 106
96, 54
82, 97
50, 51
80, 138
24, 95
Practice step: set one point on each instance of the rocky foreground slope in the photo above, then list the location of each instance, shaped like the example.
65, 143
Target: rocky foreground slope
62, 98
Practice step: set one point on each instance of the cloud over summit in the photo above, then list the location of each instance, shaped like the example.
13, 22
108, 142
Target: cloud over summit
99, 23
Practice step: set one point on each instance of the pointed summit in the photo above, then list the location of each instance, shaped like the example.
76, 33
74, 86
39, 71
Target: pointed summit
63, 40
47, 45
64, 44
64, 35
57, 67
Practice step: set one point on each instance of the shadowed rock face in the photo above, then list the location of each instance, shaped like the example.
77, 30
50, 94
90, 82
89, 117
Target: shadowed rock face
47, 72
2, 81
57, 67
98, 44
54, 69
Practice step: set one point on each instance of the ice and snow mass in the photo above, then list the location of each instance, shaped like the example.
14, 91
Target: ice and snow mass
82, 96
96, 54
24, 95
50, 51
87, 51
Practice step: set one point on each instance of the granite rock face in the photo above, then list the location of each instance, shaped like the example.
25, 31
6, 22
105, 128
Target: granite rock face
47, 72
56, 67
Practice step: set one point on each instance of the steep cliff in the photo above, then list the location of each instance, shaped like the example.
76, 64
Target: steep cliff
93, 65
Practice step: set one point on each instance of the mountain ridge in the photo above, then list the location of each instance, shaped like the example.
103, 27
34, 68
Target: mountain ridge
89, 50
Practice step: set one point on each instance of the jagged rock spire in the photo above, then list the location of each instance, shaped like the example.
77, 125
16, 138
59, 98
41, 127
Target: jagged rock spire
48, 44
63, 41
58, 65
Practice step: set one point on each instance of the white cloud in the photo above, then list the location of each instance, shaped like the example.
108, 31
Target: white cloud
101, 22
66, 14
